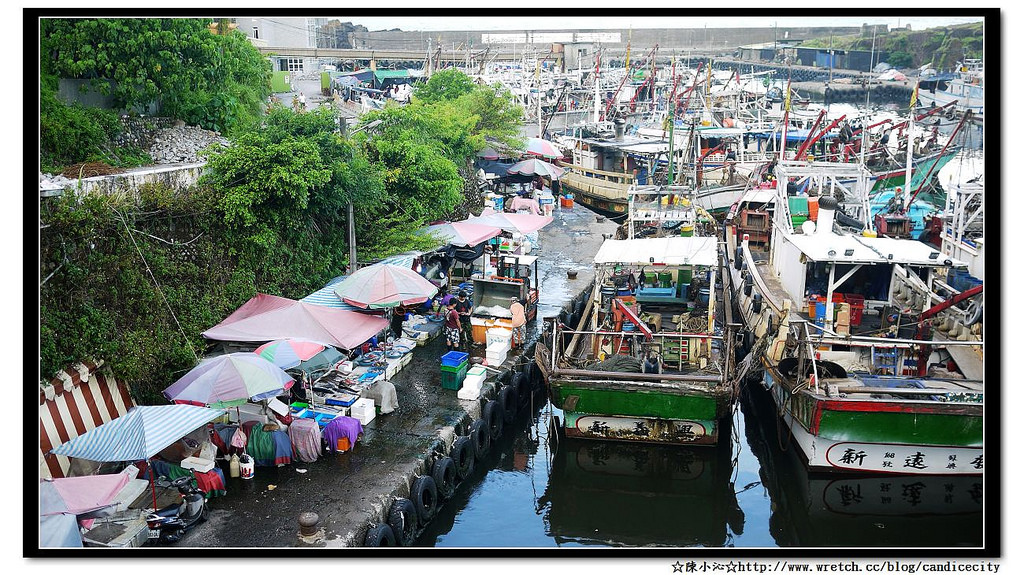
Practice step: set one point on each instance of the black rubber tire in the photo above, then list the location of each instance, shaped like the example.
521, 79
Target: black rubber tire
505, 377
577, 310
481, 434
563, 317
491, 413
573, 320
463, 455
523, 391
509, 403
424, 497
402, 519
380, 536
443, 472
170, 536
536, 378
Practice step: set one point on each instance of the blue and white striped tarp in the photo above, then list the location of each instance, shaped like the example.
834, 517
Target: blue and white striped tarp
139, 434
327, 297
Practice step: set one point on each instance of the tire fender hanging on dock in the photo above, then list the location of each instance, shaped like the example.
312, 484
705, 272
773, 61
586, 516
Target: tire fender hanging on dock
492, 414
379, 535
402, 519
481, 434
424, 498
509, 403
443, 472
462, 454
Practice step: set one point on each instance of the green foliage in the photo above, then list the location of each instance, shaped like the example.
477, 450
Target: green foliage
215, 81
448, 84
71, 134
900, 59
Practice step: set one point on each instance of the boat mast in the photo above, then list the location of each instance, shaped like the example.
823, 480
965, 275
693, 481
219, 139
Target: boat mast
910, 150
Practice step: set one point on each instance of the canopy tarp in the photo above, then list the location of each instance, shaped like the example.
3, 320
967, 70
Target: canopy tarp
268, 317
695, 251
461, 233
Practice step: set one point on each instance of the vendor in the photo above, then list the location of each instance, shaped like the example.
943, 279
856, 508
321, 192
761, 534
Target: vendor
465, 309
452, 327
397, 317
518, 322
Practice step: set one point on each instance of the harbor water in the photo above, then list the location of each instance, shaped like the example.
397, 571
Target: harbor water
537, 489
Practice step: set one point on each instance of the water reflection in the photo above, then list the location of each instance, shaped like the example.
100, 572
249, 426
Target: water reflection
853, 511
626, 494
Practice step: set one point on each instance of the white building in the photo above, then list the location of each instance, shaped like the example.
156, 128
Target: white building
284, 32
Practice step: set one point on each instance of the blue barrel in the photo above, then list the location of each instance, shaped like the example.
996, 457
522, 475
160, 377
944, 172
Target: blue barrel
704, 296
819, 313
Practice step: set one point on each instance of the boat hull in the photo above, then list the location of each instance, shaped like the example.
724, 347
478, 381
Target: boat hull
878, 436
684, 415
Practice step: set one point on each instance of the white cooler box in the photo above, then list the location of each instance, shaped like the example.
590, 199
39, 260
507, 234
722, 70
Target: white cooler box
499, 336
363, 410
469, 391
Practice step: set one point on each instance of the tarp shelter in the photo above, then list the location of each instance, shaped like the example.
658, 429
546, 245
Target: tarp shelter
461, 233
268, 317
518, 223
325, 296
63, 500
384, 79
695, 251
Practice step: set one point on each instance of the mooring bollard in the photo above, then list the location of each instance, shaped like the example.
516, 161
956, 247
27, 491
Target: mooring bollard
310, 532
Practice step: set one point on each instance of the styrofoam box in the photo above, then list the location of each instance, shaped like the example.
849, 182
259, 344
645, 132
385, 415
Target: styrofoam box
477, 370
363, 404
473, 381
469, 392
499, 348
496, 361
200, 465
406, 359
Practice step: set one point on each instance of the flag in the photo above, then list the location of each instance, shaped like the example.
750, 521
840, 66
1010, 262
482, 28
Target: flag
913, 96
788, 84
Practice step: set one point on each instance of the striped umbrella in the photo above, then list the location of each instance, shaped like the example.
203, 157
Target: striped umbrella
139, 434
229, 380
543, 148
287, 353
536, 167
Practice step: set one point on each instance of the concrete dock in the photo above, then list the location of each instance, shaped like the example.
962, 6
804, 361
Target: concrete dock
352, 491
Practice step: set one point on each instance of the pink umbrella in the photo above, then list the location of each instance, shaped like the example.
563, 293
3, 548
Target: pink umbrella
536, 167
229, 380
462, 233
519, 223
543, 148
286, 353
382, 286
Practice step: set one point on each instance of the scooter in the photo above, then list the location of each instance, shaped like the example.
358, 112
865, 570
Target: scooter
169, 524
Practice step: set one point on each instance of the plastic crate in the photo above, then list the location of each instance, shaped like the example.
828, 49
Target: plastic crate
453, 379
454, 358
856, 308
456, 368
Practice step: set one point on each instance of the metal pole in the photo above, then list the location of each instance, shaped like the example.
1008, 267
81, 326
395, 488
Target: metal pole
351, 239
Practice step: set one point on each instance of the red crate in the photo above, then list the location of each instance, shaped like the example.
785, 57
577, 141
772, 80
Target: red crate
856, 308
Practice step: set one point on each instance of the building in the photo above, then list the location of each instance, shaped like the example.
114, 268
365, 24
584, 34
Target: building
284, 32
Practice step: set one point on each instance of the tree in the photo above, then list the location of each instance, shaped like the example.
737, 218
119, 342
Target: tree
447, 84
218, 81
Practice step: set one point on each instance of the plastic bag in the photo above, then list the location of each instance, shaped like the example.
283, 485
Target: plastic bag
239, 438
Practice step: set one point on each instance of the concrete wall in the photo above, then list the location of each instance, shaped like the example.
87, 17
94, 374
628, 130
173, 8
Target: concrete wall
127, 185
279, 31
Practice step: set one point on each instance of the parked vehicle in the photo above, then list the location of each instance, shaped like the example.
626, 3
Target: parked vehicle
169, 524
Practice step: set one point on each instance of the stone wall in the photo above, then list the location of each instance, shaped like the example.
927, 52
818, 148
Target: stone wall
139, 131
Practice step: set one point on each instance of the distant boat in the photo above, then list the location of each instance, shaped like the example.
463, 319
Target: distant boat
966, 86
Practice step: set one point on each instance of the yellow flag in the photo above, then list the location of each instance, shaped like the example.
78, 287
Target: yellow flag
913, 96
787, 95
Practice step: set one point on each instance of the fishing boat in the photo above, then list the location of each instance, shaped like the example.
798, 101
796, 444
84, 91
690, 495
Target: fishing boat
965, 87
643, 359
810, 509
873, 357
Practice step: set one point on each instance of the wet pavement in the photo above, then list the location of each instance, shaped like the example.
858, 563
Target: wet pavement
353, 490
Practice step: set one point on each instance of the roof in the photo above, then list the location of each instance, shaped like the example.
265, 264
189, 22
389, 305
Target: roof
667, 251
384, 74
868, 250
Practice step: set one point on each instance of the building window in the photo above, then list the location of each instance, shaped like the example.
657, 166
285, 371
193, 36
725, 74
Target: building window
295, 64
256, 32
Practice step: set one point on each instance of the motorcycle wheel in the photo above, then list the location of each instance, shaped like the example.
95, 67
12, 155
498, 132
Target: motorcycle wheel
172, 535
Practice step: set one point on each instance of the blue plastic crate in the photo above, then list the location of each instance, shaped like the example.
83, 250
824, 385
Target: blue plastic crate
454, 358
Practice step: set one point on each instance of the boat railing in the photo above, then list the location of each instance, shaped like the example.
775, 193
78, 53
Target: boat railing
762, 288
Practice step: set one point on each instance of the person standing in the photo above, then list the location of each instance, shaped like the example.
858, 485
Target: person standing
397, 318
518, 323
465, 309
452, 327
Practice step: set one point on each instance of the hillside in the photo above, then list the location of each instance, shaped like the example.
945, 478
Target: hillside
942, 47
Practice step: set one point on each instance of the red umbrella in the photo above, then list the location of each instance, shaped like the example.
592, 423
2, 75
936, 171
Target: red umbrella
382, 286
543, 148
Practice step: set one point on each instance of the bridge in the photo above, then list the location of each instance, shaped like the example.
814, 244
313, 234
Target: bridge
398, 55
